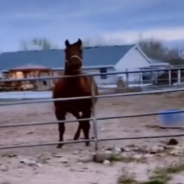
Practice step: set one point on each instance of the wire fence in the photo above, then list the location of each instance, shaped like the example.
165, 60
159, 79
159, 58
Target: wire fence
93, 118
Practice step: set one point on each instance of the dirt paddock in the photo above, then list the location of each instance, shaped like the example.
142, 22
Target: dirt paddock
57, 173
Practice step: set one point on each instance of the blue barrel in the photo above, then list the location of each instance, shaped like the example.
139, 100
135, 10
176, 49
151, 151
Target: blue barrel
173, 118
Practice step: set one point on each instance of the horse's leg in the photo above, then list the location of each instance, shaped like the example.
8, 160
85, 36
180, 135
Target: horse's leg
85, 125
61, 126
77, 134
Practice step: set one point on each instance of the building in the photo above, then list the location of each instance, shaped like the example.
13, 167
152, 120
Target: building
95, 59
32, 71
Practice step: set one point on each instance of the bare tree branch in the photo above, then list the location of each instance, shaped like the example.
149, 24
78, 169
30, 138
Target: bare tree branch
155, 49
37, 44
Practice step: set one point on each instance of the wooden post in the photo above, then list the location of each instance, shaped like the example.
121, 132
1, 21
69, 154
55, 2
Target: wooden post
51, 80
170, 78
179, 76
127, 78
141, 79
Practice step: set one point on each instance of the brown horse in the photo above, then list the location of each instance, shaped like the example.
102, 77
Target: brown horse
74, 87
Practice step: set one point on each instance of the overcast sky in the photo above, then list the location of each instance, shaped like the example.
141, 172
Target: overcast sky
108, 21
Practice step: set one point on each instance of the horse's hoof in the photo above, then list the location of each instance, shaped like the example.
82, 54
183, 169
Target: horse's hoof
87, 143
59, 146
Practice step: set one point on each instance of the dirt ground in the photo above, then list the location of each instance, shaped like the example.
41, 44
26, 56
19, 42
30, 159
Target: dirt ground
57, 172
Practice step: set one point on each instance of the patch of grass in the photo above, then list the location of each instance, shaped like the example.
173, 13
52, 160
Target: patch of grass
171, 169
119, 158
154, 182
126, 179
159, 176
163, 175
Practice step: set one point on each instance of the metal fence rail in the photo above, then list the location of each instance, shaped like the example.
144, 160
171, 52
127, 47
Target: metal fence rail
94, 118
96, 96
100, 118
91, 140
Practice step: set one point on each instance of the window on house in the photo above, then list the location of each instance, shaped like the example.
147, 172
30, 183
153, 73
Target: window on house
103, 71
19, 75
44, 83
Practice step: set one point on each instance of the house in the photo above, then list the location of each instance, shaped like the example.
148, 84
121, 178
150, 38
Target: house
95, 59
32, 71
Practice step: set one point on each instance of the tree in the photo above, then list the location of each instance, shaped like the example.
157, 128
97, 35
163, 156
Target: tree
155, 49
38, 44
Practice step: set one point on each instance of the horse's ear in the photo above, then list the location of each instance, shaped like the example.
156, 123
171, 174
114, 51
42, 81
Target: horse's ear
80, 42
67, 43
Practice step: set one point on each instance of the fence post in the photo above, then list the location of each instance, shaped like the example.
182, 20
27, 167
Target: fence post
127, 78
169, 77
179, 76
94, 117
141, 79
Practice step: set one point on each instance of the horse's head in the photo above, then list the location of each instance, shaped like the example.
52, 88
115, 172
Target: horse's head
73, 56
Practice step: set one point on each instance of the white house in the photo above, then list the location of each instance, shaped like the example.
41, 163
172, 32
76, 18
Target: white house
121, 58
133, 60
115, 58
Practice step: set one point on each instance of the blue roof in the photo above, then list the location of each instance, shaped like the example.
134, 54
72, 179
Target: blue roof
92, 56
